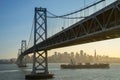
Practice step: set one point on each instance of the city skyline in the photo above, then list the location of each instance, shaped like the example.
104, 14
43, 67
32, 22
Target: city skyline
16, 22
79, 57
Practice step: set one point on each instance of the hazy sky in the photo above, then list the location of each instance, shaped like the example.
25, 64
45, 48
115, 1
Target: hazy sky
16, 17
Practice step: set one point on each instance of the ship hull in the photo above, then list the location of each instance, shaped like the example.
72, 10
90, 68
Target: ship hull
90, 66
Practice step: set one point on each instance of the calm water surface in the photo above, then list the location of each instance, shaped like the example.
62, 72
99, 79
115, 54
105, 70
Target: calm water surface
12, 72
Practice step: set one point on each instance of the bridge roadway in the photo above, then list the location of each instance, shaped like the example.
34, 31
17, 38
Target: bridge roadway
102, 25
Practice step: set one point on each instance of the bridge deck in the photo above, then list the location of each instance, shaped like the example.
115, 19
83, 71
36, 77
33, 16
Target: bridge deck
102, 25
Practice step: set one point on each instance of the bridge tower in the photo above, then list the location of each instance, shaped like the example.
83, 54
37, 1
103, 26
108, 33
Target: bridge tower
19, 52
40, 62
21, 62
23, 46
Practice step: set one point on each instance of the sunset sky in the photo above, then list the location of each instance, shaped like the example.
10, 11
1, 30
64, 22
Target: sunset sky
16, 17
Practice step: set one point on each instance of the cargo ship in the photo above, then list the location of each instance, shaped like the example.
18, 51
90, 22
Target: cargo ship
73, 65
85, 66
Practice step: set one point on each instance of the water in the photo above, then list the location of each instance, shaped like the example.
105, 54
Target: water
12, 72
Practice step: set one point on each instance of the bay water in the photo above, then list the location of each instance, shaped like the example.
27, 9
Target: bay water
12, 72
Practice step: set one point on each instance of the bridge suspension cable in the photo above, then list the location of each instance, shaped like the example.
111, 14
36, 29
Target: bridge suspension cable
55, 16
63, 21
31, 42
57, 23
65, 15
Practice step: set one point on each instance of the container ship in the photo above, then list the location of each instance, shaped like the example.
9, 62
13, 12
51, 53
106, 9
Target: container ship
85, 66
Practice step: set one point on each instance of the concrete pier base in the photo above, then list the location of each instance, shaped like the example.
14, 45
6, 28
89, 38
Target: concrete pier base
39, 76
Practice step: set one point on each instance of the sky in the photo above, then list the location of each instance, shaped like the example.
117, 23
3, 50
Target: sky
16, 17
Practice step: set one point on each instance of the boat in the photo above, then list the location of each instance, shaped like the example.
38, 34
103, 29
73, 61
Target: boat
85, 66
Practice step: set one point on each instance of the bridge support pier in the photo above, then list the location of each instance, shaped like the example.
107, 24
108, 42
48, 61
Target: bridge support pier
38, 76
21, 63
40, 62
40, 67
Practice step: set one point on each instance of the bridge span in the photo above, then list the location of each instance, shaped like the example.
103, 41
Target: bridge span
102, 25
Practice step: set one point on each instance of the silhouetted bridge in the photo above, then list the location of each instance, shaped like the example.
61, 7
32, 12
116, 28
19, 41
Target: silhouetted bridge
102, 25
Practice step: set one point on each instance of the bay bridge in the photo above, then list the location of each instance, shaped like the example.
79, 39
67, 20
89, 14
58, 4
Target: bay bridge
101, 24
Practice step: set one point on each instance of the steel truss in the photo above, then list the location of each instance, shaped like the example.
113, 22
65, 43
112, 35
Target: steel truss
40, 64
